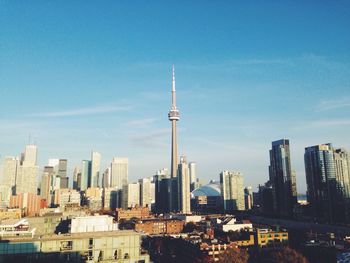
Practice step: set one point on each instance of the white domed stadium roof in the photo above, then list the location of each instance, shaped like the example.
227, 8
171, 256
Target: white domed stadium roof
211, 189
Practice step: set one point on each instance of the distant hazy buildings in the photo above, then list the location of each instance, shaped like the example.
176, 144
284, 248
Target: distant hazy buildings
106, 178
327, 177
95, 169
282, 179
232, 190
119, 172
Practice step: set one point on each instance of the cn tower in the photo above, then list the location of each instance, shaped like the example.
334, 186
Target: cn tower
174, 116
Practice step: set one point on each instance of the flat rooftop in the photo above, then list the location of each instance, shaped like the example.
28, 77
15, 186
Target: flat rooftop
71, 236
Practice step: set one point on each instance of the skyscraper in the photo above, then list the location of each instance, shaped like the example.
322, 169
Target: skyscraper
10, 167
281, 178
106, 178
85, 174
95, 169
30, 155
119, 172
26, 181
145, 192
320, 178
62, 173
232, 190
131, 195
327, 180
173, 116
184, 193
192, 170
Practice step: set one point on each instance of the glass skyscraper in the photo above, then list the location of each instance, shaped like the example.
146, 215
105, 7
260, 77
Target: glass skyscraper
282, 179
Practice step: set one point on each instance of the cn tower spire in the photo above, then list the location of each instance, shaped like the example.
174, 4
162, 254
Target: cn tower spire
173, 90
173, 116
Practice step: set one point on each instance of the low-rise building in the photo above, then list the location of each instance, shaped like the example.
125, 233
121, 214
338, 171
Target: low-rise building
160, 226
29, 203
188, 218
10, 213
65, 197
98, 223
268, 237
134, 212
113, 246
46, 224
229, 223
15, 228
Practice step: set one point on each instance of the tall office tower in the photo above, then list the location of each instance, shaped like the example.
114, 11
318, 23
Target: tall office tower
106, 178
342, 171
47, 184
10, 167
232, 190
30, 155
327, 177
162, 193
76, 178
85, 174
62, 173
119, 172
26, 181
130, 195
192, 169
184, 196
281, 178
145, 192
173, 116
321, 181
95, 169
248, 197
5, 195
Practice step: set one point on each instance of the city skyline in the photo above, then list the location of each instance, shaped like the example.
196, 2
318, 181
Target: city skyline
100, 90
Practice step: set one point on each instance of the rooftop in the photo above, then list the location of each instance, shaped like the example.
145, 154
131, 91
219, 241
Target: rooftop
71, 236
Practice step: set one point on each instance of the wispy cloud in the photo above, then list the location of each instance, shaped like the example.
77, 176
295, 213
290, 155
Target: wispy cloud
331, 104
82, 111
330, 123
141, 122
154, 138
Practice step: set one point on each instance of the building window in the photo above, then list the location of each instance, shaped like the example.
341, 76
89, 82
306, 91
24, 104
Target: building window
126, 256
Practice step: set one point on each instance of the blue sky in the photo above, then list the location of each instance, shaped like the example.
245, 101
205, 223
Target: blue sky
83, 75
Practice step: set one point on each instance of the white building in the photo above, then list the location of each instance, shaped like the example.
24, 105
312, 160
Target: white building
5, 194
27, 179
146, 192
119, 172
192, 170
232, 190
10, 166
30, 155
184, 197
229, 223
97, 223
131, 195
16, 228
